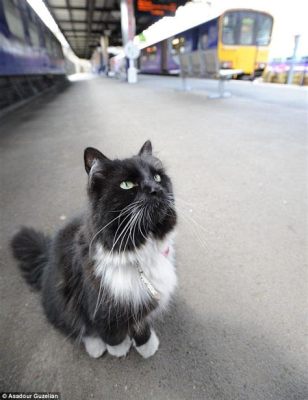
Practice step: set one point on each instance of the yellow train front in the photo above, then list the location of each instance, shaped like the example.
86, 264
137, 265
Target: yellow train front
240, 37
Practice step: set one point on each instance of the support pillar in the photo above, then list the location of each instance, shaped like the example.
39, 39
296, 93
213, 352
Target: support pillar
104, 46
293, 61
128, 25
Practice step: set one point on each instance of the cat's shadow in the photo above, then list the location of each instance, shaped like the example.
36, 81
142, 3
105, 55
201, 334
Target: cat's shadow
200, 357
204, 357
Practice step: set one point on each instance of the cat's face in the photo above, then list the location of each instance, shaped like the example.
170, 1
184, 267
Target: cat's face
131, 199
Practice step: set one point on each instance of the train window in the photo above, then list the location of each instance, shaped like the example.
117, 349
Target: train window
204, 41
181, 44
247, 29
212, 39
34, 35
58, 47
55, 47
229, 28
33, 27
208, 36
151, 52
13, 18
48, 42
143, 56
188, 45
264, 30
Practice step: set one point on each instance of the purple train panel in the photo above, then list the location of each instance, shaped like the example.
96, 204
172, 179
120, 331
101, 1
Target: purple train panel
27, 47
151, 59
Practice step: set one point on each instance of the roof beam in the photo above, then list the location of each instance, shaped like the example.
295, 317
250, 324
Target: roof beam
94, 15
76, 8
70, 12
94, 31
90, 18
83, 21
54, 17
70, 35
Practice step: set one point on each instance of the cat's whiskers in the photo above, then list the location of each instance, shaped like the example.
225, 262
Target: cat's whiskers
192, 219
137, 226
130, 236
116, 239
187, 204
126, 232
139, 223
115, 235
192, 224
129, 210
144, 219
135, 220
124, 210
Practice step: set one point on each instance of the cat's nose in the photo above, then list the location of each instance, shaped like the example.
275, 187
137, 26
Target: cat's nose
151, 189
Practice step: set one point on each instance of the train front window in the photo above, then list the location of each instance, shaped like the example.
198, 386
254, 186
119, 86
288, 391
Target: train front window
229, 28
247, 29
264, 30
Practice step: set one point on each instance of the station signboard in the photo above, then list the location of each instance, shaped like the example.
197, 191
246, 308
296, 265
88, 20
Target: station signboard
156, 8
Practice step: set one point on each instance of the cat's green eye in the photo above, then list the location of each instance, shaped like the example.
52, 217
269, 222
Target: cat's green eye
157, 178
127, 185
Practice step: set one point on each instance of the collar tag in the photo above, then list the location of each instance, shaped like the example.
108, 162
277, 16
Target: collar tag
151, 289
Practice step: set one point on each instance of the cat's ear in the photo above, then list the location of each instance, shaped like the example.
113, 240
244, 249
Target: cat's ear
146, 149
91, 155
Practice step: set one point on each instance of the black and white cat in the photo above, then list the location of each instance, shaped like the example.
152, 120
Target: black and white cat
106, 274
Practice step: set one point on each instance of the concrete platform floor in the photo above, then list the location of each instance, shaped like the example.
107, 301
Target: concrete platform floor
236, 329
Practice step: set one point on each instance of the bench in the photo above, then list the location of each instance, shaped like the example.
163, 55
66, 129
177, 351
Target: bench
205, 64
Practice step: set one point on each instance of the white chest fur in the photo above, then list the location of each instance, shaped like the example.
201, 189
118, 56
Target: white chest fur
119, 273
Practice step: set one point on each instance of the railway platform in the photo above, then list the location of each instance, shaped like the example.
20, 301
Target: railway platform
236, 329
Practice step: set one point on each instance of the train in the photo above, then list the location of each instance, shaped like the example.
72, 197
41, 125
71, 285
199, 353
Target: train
31, 57
241, 38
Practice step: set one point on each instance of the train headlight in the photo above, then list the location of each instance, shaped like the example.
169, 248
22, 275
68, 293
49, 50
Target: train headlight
260, 65
226, 65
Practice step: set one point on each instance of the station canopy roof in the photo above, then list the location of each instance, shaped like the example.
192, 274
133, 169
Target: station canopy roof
83, 22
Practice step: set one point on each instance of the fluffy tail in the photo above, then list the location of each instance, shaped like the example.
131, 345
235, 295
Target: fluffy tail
30, 248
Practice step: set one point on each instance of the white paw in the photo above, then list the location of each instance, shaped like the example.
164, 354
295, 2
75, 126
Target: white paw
121, 349
150, 347
94, 345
